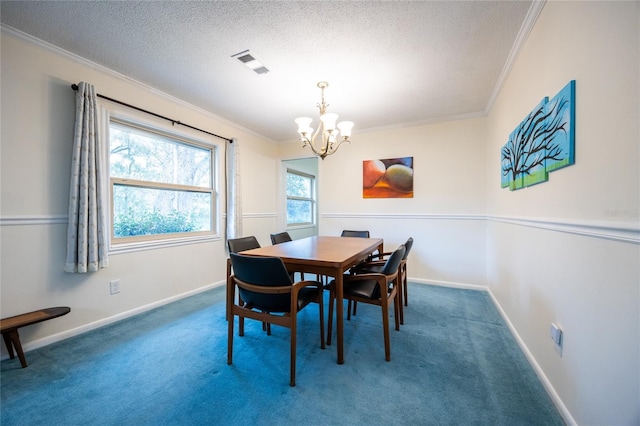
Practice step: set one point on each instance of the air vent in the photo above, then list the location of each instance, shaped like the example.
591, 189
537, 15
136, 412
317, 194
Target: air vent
246, 58
250, 61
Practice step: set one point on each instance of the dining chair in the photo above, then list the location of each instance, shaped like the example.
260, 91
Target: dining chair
283, 237
376, 266
269, 295
237, 245
358, 234
376, 289
280, 237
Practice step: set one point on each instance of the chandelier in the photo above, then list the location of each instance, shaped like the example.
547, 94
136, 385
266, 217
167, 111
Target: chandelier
328, 142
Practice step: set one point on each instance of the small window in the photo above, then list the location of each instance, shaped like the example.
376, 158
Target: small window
300, 198
161, 185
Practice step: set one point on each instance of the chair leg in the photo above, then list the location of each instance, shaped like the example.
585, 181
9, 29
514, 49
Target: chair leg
230, 340
385, 328
268, 325
405, 285
321, 310
292, 381
397, 312
349, 310
400, 296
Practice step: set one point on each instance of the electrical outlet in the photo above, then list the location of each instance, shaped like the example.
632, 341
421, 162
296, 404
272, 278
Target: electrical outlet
557, 337
114, 286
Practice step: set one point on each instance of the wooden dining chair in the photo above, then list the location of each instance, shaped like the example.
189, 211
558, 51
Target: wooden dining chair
358, 234
280, 237
376, 289
269, 295
377, 264
283, 237
237, 245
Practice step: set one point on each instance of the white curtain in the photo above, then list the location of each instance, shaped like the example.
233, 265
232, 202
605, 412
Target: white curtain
234, 196
86, 232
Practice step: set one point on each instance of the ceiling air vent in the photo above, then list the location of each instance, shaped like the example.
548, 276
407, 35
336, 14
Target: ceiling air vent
250, 61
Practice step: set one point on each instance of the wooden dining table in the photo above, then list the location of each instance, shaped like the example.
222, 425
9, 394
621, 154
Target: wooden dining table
329, 256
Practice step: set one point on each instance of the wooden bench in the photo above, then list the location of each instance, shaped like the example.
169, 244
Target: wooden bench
9, 327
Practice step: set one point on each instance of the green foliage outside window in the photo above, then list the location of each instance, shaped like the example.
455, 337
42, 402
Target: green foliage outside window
160, 184
300, 200
152, 223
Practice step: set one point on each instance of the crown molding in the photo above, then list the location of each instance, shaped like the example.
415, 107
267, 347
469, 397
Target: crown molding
83, 61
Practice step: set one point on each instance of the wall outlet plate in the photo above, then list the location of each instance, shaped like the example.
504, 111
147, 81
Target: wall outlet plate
114, 287
557, 337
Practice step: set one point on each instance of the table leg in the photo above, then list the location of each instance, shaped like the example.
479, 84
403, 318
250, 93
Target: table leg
339, 316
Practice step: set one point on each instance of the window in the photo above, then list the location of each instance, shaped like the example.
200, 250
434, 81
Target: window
162, 185
300, 198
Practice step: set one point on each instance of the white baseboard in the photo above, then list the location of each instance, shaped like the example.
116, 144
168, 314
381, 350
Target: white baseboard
54, 338
451, 284
562, 408
564, 412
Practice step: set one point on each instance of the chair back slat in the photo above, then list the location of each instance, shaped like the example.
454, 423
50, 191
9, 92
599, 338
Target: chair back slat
393, 262
280, 237
407, 247
266, 272
237, 245
358, 234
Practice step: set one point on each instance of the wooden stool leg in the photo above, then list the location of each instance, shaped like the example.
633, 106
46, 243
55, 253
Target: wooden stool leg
8, 344
15, 340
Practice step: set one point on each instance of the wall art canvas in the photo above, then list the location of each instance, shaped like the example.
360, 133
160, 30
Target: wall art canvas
387, 178
543, 142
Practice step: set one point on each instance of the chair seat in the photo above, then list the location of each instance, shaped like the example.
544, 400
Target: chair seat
369, 268
279, 303
367, 289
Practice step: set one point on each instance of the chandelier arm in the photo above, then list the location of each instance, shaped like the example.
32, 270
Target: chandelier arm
335, 146
312, 142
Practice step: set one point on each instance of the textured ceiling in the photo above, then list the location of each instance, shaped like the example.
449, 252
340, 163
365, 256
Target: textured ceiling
387, 63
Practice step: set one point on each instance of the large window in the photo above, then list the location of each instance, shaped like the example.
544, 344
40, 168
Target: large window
162, 186
300, 198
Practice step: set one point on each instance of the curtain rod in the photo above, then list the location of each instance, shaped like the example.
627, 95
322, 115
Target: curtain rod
173, 122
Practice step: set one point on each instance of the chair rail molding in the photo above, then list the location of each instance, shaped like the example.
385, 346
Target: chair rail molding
624, 232
34, 220
403, 216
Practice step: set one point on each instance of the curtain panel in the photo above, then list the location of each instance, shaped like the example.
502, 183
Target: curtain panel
234, 198
87, 249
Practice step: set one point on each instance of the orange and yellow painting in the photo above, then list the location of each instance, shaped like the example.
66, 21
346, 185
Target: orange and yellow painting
387, 178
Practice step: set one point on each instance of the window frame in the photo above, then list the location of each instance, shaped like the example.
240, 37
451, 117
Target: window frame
124, 116
312, 199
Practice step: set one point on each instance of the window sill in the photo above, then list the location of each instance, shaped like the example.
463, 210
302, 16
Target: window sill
158, 244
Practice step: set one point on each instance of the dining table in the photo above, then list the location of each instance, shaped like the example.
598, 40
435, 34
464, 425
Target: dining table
324, 255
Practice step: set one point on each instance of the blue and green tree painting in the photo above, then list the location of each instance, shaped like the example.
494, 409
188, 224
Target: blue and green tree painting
543, 142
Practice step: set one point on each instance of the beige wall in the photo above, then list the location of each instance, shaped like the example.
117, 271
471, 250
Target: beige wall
549, 253
586, 277
37, 131
446, 214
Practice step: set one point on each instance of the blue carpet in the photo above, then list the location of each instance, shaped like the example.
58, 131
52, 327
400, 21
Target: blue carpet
454, 362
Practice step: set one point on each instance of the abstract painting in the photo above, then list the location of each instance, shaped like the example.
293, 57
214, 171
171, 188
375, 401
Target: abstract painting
387, 178
543, 142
